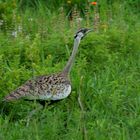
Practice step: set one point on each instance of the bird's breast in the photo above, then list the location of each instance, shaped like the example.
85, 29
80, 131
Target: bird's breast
62, 93
55, 92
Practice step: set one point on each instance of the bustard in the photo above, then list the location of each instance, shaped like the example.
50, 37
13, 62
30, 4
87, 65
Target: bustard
51, 87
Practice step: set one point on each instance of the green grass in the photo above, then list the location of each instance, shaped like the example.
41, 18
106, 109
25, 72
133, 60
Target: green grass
105, 77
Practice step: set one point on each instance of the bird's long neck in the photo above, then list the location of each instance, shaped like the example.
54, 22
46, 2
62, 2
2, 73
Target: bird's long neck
68, 66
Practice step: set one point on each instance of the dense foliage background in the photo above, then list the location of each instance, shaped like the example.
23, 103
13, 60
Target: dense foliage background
36, 38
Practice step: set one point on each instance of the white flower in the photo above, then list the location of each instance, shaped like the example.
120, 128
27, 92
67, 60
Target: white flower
79, 19
14, 34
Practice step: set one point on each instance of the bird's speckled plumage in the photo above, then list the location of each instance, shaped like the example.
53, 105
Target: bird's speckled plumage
52, 87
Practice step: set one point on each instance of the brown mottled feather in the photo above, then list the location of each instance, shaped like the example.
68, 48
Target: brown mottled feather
41, 85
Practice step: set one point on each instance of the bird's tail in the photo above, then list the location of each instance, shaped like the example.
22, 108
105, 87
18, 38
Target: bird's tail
14, 96
8, 98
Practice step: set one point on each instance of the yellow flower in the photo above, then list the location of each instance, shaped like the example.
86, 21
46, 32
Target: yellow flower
49, 56
69, 2
104, 27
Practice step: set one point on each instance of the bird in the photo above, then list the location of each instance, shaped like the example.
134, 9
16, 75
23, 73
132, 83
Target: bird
53, 87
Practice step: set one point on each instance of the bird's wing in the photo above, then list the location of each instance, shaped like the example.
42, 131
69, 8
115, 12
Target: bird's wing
32, 89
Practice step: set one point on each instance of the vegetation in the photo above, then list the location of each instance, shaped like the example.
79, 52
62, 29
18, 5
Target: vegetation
105, 99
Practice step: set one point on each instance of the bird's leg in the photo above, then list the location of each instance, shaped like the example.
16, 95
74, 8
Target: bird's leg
37, 108
53, 102
43, 105
42, 102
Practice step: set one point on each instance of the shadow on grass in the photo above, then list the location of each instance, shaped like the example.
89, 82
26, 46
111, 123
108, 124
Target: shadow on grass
22, 109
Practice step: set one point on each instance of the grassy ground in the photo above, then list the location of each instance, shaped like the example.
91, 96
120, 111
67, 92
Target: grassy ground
105, 99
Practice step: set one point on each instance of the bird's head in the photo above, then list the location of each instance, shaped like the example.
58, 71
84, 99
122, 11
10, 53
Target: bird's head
82, 33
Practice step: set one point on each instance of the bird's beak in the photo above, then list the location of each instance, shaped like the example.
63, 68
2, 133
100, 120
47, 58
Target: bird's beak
89, 30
